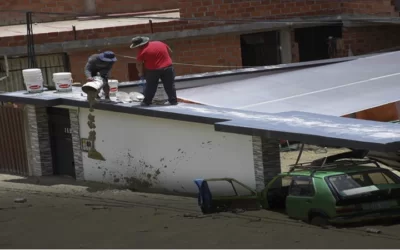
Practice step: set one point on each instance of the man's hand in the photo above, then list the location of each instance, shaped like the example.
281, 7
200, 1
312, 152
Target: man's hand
90, 79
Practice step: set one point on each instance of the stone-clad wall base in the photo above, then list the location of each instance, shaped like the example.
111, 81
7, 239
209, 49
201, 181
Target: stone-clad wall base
76, 143
267, 162
40, 146
271, 158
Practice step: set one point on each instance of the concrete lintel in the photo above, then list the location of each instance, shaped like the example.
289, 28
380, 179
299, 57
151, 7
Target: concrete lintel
125, 40
217, 30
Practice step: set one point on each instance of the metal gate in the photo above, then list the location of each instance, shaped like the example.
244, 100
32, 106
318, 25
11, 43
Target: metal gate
49, 64
13, 155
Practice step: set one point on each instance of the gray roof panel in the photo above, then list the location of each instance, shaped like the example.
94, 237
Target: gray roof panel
336, 89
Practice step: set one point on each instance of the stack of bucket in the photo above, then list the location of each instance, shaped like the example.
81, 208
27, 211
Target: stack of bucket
63, 81
33, 79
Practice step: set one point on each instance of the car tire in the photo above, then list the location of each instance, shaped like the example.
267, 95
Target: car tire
319, 220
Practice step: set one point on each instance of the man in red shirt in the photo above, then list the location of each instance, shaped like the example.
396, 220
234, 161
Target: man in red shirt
156, 59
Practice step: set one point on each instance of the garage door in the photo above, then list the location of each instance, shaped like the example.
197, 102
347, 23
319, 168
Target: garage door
49, 64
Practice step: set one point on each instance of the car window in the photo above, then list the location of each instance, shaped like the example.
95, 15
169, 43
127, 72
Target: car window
380, 178
362, 182
281, 181
242, 191
302, 186
221, 188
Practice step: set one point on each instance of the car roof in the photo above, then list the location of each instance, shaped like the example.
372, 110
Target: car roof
325, 172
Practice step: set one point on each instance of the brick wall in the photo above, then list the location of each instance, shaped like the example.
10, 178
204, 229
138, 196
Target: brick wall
74, 7
379, 7
124, 6
364, 40
64, 6
221, 50
280, 8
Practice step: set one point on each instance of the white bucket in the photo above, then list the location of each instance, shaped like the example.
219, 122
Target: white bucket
93, 86
113, 87
33, 79
63, 81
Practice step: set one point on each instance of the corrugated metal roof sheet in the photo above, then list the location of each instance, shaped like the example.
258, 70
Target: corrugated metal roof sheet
336, 89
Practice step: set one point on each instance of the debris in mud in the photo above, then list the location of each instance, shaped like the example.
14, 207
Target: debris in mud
255, 220
106, 206
373, 230
238, 210
12, 208
99, 208
20, 200
195, 216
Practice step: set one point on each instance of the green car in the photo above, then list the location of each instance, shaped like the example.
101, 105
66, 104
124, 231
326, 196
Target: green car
345, 191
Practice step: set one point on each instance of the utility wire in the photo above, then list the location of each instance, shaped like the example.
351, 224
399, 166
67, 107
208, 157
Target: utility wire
197, 65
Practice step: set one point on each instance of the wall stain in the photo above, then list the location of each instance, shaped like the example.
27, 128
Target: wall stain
142, 175
93, 153
134, 184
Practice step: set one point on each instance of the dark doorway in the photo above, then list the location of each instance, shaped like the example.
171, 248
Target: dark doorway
133, 72
261, 49
313, 42
61, 142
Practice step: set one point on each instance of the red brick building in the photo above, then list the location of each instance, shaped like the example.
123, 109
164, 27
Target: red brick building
212, 34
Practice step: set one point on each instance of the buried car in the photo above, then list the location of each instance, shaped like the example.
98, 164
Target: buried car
339, 192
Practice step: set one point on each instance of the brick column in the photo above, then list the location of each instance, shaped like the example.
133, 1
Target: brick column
76, 143
38, 130
267, 161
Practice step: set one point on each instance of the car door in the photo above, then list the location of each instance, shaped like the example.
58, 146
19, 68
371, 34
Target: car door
274, 195
300, 198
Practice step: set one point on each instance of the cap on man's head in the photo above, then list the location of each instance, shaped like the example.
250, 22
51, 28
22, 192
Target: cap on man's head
107, 56
139, 41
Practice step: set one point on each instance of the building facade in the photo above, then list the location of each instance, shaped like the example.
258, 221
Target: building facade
205, 35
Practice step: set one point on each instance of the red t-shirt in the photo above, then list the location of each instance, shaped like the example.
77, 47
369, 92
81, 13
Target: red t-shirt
155, 55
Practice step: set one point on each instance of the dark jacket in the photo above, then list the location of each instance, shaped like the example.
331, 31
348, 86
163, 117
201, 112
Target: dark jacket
95, 65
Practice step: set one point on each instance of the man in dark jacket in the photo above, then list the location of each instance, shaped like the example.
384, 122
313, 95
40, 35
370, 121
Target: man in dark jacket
101, 63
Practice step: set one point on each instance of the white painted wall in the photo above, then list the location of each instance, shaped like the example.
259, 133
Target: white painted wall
137, 146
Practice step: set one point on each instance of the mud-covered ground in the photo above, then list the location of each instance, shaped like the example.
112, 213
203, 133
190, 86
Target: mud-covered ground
87, 215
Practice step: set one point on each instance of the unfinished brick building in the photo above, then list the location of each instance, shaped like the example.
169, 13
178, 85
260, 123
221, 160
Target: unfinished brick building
212, 34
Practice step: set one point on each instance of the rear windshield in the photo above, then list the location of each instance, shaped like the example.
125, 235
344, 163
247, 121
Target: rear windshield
362, 182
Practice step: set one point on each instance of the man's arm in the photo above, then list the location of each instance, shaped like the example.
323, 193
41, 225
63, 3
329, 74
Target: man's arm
139, 64
139, 67
88, 67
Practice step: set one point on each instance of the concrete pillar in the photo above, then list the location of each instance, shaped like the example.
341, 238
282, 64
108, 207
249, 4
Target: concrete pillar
286, 45
76, 144
267, 161
90, 6
39, 140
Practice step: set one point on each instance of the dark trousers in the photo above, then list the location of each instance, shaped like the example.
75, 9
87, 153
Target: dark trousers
167, 76
106, 87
